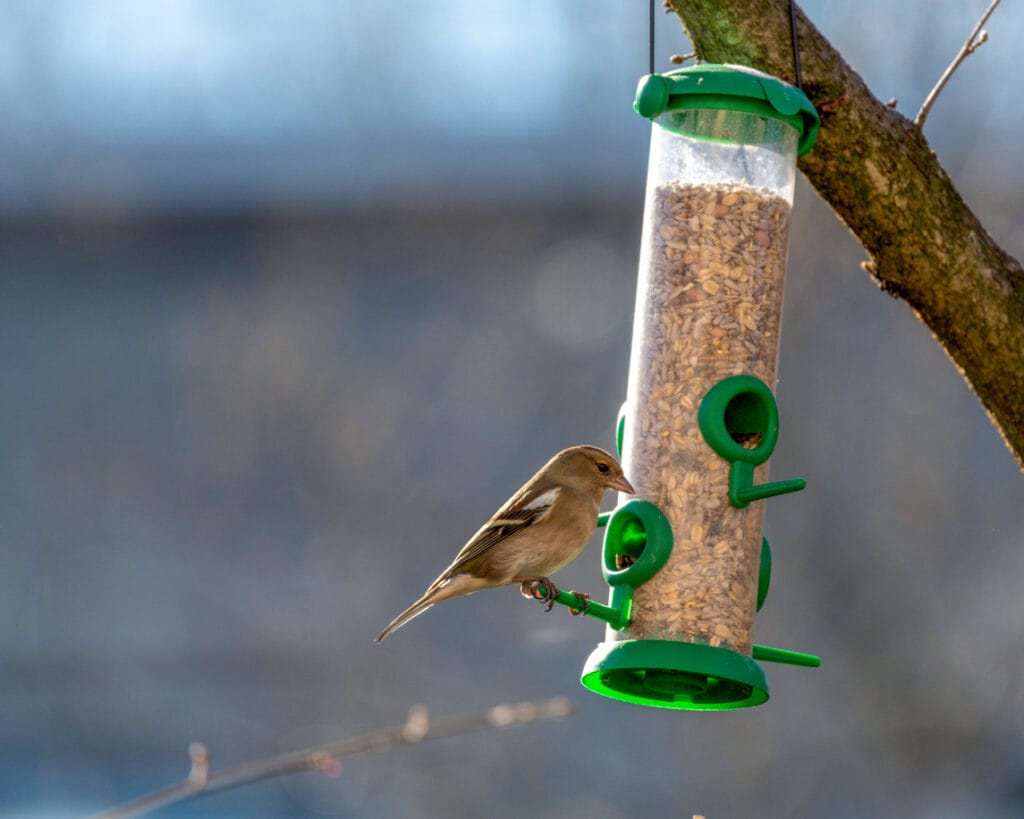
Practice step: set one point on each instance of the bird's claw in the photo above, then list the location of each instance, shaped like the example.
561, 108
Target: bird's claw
532, 588
584, 607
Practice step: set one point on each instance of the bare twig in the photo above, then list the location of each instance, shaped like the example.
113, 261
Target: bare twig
418, 727
976, 38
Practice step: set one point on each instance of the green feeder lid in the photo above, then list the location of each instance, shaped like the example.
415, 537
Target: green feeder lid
709, 86
670, 674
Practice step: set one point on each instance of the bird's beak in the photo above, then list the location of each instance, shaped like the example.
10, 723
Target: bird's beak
622, 485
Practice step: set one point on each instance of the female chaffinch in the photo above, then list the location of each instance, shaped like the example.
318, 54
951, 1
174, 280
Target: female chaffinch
541, 528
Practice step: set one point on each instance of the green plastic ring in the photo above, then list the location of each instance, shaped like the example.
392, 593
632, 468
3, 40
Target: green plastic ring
735, 407
640, 531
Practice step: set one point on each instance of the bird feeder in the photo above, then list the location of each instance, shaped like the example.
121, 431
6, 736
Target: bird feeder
686, 560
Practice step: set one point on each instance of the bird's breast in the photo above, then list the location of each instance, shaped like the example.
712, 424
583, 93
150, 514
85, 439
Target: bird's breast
545, 550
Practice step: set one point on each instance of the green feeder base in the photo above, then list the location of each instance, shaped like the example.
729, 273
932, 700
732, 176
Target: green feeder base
670, 674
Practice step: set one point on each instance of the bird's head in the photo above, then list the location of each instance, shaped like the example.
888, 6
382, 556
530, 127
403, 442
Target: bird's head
590, 468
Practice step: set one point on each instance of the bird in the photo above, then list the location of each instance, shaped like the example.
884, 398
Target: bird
540, 529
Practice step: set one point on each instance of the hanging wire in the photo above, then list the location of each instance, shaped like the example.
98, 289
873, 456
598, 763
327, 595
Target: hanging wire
796, 44
650, 40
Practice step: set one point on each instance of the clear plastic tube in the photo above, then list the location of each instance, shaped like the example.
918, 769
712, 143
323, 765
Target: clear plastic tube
709, 306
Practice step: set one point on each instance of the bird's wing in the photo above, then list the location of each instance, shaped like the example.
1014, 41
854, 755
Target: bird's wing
515, 516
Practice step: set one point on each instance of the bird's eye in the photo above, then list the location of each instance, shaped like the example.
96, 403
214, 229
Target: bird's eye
602, 467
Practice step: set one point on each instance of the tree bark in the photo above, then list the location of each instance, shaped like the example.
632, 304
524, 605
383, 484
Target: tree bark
875, 169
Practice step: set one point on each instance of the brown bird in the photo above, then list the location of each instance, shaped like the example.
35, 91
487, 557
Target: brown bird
541, 528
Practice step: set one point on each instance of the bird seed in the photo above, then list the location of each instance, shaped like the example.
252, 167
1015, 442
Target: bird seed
708, 307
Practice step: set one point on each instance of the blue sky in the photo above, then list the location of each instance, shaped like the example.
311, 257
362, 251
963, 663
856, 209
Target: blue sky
188, 103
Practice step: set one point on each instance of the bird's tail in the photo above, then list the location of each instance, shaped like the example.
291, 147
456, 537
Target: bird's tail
445, 587
415, 610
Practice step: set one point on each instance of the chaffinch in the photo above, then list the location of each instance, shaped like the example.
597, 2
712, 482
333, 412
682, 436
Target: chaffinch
541, 528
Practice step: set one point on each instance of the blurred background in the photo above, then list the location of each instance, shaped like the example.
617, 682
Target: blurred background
293, 295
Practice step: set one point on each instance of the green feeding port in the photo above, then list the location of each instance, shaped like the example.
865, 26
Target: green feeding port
637, 543
739, 419
764, 573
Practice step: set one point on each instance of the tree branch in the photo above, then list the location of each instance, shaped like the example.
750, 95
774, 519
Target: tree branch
417, 728
976, 38
875, 169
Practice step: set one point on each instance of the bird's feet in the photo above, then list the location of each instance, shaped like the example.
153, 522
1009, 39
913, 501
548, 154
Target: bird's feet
531, 587
584, 605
